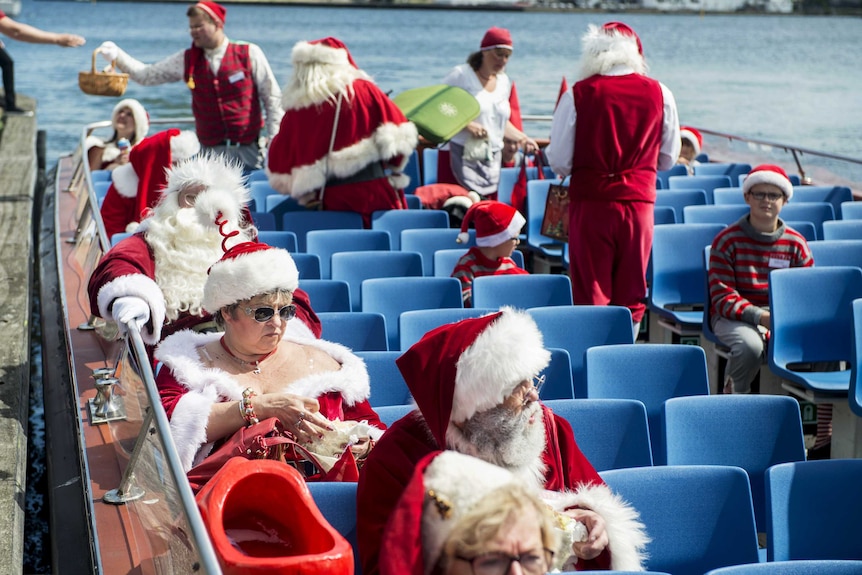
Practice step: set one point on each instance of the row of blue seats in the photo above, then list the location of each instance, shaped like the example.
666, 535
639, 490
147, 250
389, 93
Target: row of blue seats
700, 517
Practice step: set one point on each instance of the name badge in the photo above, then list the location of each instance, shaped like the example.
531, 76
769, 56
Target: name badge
779, 261
234, 78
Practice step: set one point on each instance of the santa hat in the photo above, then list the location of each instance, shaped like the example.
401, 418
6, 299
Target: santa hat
146, 173
329, 50
215, 11
693, 137
495, 223
142, 118
247, 270
445, 487
462, 368
496, 38
768, 174
618, 28
614, 44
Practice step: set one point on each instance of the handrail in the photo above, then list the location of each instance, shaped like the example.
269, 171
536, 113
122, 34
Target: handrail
208, 557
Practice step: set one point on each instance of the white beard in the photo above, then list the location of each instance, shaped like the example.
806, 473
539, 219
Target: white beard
184, 250
510, 442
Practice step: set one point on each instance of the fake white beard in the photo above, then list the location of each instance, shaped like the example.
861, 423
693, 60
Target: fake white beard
184, 250
510, 442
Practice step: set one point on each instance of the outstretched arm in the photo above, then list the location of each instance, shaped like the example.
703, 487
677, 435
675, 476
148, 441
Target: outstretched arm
27, 33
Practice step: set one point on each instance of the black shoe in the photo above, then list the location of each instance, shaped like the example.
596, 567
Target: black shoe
16, 111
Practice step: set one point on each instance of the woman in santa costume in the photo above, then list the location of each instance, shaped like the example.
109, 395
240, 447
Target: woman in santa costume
473, 385
136, 187
342, 140
131, 122
611, 132
263, 365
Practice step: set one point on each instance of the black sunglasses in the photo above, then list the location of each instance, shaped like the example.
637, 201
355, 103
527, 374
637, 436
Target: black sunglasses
264, 314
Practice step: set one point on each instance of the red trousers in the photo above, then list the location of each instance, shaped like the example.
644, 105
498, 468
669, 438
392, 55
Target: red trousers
609, 250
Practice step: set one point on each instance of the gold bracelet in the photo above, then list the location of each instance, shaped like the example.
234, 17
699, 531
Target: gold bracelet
246, 409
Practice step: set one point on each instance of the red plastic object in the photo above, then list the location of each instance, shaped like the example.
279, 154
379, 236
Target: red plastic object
262, 519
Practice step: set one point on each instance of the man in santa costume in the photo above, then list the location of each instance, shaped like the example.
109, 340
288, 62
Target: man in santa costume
342, 140
611, 132
137, 186
232, 85
156, 277
473, 385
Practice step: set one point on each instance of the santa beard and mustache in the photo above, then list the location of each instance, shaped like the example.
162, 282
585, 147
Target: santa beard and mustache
184, 249
510, 441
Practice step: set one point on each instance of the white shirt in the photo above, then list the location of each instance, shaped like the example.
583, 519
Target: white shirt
494, 106
562, 147
171, 70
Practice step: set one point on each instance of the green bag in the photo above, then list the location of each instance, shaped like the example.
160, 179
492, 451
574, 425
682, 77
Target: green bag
439, 111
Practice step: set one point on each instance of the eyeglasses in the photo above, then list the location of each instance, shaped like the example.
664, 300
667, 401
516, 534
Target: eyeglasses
264, 314
532, 562
771, 196
536, 383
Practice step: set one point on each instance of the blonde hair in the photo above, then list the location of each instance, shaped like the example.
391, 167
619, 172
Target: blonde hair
472, 533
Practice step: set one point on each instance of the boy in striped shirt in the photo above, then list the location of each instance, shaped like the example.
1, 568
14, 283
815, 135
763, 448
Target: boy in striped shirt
740, 260
498, 226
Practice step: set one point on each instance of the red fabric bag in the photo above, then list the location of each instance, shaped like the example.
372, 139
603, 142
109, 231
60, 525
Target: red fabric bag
519, 192
269, 440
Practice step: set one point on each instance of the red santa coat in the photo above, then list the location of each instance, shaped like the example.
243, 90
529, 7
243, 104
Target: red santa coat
372, 133
129, 269
188, 389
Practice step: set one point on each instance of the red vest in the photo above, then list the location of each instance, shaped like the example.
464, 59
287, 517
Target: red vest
617, 138
226, 106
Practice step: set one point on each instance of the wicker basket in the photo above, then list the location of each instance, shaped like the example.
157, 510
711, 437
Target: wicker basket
108, 83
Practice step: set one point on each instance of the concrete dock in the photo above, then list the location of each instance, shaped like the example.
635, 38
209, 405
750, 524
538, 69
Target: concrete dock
18, 177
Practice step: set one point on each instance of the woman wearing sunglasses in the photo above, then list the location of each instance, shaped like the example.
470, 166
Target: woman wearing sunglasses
212, 385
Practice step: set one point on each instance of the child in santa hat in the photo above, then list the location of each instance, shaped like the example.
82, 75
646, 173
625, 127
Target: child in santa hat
497, 228
740, 260
691, 142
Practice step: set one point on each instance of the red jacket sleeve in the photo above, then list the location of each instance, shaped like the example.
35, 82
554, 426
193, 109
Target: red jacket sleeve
130, 256
117, 212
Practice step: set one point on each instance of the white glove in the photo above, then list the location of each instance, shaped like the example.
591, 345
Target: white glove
130, 308
109, 51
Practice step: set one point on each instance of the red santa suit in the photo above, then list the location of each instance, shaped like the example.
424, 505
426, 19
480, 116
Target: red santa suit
137, 186
357, 163
455, 372
627, 128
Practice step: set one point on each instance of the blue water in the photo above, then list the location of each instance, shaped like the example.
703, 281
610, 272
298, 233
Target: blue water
789, 79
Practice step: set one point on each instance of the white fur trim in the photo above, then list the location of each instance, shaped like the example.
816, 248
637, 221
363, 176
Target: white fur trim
132, 227
125, 180
462, 481
691, 139
768, 177
399, 181
600, 52
627, 537
137, 285
248, 275
513, 230
179, 353
216, 173
388, 141
142, 119
509, 351
184, 145
91, 141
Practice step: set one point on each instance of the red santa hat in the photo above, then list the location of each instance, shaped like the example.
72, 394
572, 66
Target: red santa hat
495, 223
618, 28
693, 137
496, 38
246, 270
769, 174
329, 50
462, 368
446, 486
142, 118
215, 11
146, 174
